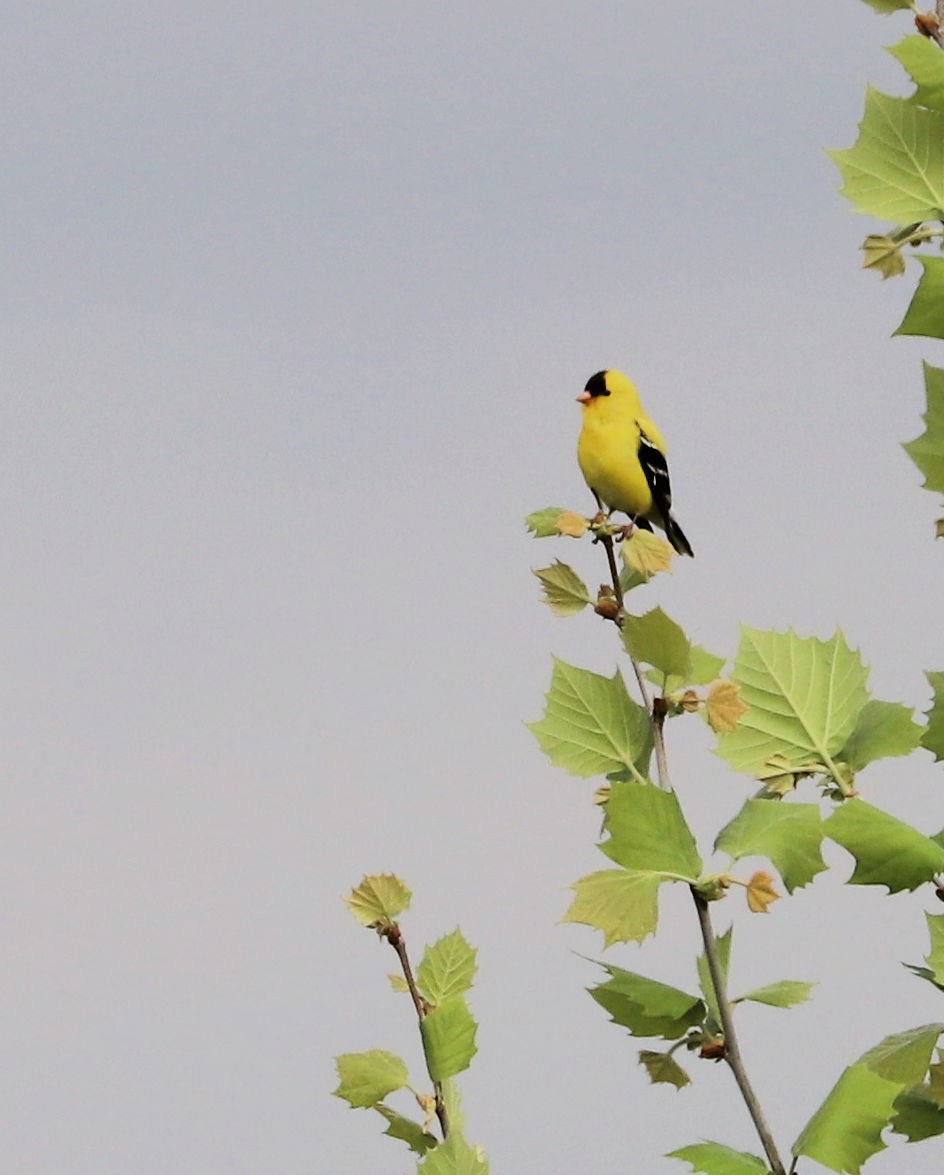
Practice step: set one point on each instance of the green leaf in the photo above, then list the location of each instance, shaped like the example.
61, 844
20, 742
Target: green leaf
565, 593
927, 450
804, 697
406, 1130
663, 1069
883, 730
646, 1007
883, 254
723, 946
448, 1038
543, 523
887, 851
787, 993
789, 835
716, 1159
918, 1116
846, 1129
923, 316
935, 959
380, 898
706, 666
620, 903
648, 833
933, 737
367, 1078
658, 641
454, 1157
887, 6
895, 169
447, 969
923, 61
905, 1056
591, 726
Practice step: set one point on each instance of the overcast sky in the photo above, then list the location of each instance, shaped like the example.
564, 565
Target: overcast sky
298, 298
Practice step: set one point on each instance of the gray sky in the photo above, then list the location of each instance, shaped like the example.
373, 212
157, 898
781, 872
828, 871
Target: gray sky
298, 299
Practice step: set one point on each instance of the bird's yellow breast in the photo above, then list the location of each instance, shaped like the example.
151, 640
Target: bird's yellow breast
607, 453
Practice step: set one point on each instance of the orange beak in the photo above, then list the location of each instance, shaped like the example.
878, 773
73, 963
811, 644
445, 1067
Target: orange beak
585, 397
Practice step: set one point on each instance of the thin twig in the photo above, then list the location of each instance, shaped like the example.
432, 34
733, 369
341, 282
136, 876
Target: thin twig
395, 937
732, 1051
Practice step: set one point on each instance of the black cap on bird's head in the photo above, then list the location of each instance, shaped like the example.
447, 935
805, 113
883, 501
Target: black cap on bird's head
595, 386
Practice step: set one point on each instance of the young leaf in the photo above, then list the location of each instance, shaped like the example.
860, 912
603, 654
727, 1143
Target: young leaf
917, 1115
761, 892
591, 726
935, 958
663, 1069
447, 968
789, 835
646, 1007
922, 60
887, 851
406, 1130
784, 994
895, 169
847, 1128
644, 555
620, 903
544, 524
448, 1038
367, 1078
454, 1157
804, 697
380, 898
923, 316
905, 1056
723, 706
713, 1158
883, 254
658, 641
927, 450
705, 666
723, 947
565, 593
883, 730
648, 833
887, 6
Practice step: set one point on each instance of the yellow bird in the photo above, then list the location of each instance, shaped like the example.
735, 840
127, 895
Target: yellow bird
622, 456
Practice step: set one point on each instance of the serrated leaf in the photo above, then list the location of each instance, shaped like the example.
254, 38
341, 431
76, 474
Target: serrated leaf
786, 993
933, 737
572, 524
846, 1130
644, 555
398, 983
713, 1158
883, 730
917, 1115
454, 1157
789, 835
884, 255
648, 834
658, 641
447, 968
543, 524
761, 892
723, 706
620, 903
895, 169
927, 450
935, 957
646, 1007
663, 1069
565, 593
923, 316
723, 951
887, 6
923, 62
887, 851
804, 697
367, 1078
448, 1038
705, 666
406, 1130
591, 726
378, 898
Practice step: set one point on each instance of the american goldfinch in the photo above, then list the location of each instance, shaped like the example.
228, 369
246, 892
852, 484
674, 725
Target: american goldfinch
622, 456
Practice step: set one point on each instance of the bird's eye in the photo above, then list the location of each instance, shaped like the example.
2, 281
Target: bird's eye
596, 385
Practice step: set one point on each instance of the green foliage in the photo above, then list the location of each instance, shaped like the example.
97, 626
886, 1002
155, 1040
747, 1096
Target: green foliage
448, 1038
887, 6
714, 1159
786, 993
933, 737
447, 969
543, 523
454, 1157
789, 835
565, 593
646, 1007
923, 62
663, 1069
923, 316
846, 1129
378, 899
934, 971
621, 903
887, 851
367, 1078
406, 1130
591, 726
927, 450
647, 832
655, 640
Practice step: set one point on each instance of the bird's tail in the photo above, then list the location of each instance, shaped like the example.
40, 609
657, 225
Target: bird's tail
676, 536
